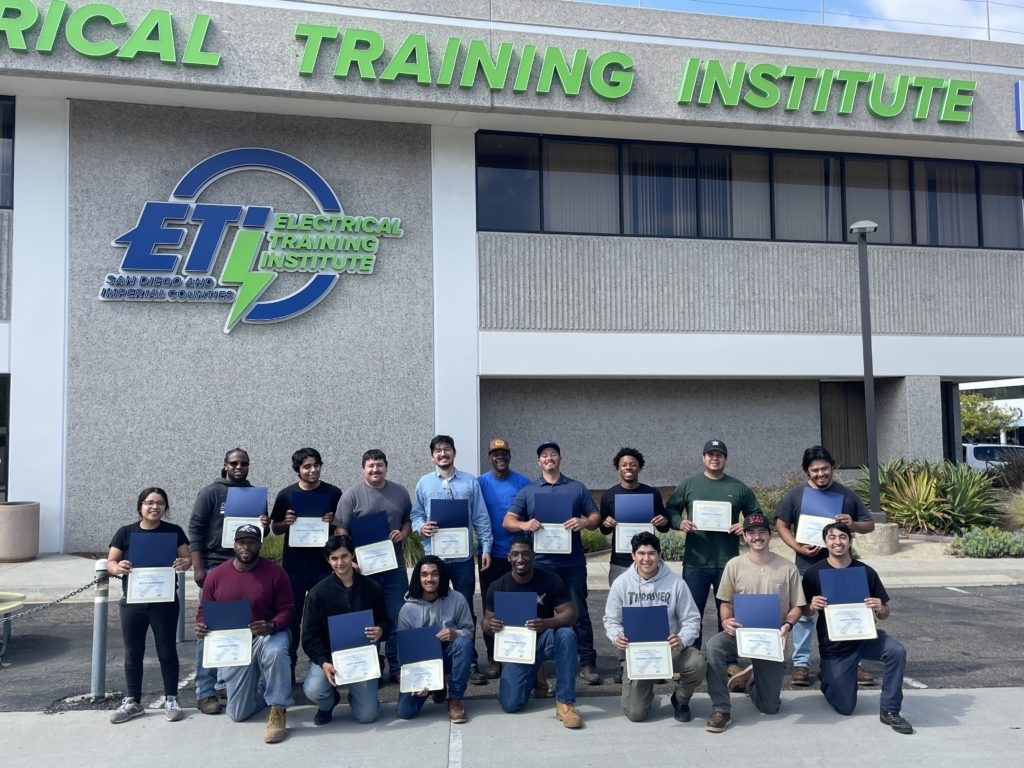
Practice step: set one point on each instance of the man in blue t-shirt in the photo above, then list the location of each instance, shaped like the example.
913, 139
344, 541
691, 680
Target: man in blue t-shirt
499, 487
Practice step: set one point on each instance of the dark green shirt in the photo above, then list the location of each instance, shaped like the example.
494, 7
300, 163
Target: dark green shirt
710, 549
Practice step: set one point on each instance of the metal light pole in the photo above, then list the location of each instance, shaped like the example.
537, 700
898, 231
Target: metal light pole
861, 230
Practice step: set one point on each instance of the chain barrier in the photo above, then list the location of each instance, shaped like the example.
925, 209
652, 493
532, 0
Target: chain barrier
68, 596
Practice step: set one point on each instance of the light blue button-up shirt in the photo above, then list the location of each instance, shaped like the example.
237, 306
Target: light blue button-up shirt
461, 485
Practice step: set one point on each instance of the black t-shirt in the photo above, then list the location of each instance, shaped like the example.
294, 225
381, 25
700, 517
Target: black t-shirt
812, 587
123, 536
549, 588
607, 507
788, 510
303, 559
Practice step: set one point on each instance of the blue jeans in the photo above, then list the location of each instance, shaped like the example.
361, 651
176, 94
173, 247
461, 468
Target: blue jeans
206, 679
301, 584
517, 680
267, 681
701, 581
575, 577
395, 584
839, 674
803, 639
362, 697
463, 574
458, 657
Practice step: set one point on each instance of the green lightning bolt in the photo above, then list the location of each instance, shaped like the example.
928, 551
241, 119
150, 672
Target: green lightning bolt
238, 271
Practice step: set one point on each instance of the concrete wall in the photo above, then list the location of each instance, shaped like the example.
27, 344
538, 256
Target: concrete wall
766, 424
909, 413
6, 226
156, 392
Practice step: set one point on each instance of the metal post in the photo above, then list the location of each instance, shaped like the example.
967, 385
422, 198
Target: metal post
861, 228
99, 633
181, 606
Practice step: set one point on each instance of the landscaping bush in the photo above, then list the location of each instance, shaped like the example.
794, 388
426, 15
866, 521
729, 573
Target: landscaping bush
769, 496
1013, 510
273, 548
988, 542
672, 545
412, 548
1011, 473
594, 541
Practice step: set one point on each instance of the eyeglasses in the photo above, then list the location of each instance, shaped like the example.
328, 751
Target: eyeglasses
154, 503
238, 463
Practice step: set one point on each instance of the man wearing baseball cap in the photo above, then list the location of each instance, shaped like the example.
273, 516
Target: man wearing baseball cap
758, 572
707, 551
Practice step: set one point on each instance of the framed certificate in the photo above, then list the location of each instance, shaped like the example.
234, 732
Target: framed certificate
422, 674
711, 515
376, 558
451, 543
515, 645
759, 643
624, 533
231, 524
552, 539
227, 648
649, 661
809, 527
151, 585
355, 665
308, 532
850, 621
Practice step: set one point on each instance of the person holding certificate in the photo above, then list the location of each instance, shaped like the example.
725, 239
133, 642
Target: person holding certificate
580, 512
265, 681
138, 617
432, 603
649, 582
820, 497
839, 658
305, 505
707, 507
556, 640
448, 483
758, 573
373, 494
346, 591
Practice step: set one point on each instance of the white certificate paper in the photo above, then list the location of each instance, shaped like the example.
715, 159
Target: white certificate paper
552, 539
711, 515
376, 558
649, 661
850, 621
515, 645
231, 524
151, 585
759, 643
355, 665
227, 648
422, 674
308, 532
451, 543
808, 529
624, 533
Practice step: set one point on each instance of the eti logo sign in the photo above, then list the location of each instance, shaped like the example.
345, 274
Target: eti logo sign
324, 245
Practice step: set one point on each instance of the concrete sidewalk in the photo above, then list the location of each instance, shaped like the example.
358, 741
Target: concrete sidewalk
955, 727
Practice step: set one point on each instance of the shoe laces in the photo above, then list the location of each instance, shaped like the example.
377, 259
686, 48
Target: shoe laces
172, 703
127, 704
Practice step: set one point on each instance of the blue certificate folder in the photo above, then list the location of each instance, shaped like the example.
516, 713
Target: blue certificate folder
841, 586
634, 508
246, 502
152, 550
757, 611
515, 608
370, 529
450, 513
420, 644
227, 614
647, 624
348, 630
552, 507
821, 503
310, 504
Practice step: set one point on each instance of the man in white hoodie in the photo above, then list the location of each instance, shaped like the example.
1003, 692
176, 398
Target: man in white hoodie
649, 582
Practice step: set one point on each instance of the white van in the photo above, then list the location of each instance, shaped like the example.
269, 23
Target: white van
989, 455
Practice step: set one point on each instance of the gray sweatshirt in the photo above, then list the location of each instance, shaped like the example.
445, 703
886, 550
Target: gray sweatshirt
631, 590
448, 612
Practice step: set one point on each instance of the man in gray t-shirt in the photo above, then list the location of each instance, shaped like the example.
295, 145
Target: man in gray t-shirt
378, 494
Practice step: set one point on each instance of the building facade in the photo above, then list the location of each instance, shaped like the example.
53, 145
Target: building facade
354, 225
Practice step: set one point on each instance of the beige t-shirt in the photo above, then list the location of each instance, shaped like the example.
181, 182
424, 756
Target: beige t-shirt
776, 577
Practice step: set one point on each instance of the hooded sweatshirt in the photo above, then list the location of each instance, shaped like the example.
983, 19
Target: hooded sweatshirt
632, 590
448, 612
206, 525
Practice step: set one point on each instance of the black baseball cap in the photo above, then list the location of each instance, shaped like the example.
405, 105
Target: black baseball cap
756, 521
549, 444
248, 532
715, 445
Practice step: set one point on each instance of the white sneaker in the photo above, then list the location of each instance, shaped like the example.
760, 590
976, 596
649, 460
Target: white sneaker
128, 710
172, 709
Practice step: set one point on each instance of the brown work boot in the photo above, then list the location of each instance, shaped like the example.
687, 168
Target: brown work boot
456, 711
567, 713
719, 721
493, 670
738, 681
277, 725
540, 687
864, 678
209, 706
801, 677
590, 676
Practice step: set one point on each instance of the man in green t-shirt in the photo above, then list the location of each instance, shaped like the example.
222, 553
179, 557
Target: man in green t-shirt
719, 499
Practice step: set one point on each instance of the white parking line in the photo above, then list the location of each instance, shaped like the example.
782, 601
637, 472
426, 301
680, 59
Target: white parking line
455, 746
956, 589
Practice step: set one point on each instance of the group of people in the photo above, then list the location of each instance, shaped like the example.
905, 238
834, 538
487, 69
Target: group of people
291, 604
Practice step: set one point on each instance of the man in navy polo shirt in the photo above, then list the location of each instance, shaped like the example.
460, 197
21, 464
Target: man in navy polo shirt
571, 568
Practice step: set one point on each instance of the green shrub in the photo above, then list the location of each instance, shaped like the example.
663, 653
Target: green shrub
594, 541
1013, 510
969, 493
273, 548
988, 542
673, 543
412, 548
769, 496
1011, 473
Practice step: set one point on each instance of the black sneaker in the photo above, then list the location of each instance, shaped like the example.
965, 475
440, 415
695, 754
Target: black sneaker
476, 677
324, 716
680, 710
895, 721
